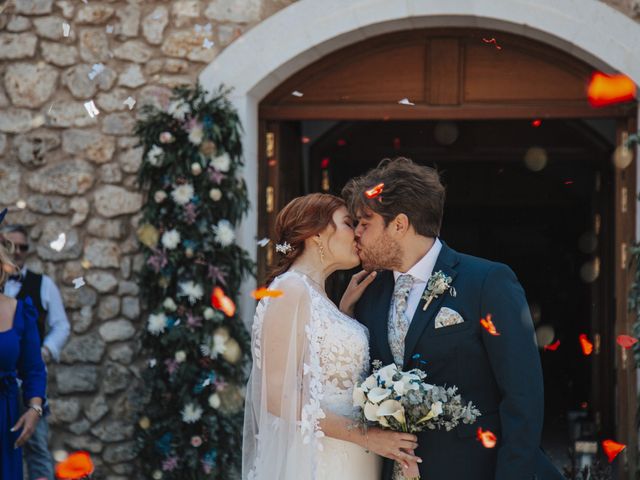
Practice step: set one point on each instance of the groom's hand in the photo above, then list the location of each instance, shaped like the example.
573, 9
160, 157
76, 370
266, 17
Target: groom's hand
358, 284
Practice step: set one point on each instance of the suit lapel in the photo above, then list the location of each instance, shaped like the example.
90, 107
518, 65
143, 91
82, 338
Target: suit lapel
447, 259
380, 311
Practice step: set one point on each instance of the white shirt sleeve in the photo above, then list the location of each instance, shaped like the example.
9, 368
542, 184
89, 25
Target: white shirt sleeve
57, 320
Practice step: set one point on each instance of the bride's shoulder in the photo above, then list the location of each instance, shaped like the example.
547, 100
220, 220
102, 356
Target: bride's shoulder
291, 285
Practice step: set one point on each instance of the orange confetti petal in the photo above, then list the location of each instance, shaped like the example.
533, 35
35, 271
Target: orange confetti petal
488, 438
625, 341
77, 465
612, 449
489, 326
587, 346
375, 191
262, 292
610, 89
553, 346
223, 303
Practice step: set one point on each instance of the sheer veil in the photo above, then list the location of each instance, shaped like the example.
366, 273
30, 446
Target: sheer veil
282, 435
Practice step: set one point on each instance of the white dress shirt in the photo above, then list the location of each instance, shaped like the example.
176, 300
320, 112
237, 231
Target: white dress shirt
56, 316
420, 272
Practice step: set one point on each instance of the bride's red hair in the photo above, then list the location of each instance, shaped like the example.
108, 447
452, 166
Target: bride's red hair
300, 219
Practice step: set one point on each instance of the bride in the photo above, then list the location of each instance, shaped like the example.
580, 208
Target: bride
307, 357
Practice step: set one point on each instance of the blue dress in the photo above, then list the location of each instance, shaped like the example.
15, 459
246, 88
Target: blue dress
20, 357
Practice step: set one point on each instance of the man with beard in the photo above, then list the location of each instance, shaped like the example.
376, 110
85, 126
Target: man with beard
424, 310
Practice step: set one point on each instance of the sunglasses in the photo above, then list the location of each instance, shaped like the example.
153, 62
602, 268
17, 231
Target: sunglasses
22, 247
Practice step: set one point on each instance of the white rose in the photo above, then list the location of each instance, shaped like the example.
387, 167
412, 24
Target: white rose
214, 401
169, 304
196, 135
196, 169
180, 356
154, 154
160, 196
215, 194
224, 234
222, 163
178, 109
182, 194
171, 239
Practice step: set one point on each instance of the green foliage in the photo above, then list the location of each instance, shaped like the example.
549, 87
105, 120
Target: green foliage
192, 156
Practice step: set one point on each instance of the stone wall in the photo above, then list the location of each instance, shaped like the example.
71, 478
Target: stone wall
62, 171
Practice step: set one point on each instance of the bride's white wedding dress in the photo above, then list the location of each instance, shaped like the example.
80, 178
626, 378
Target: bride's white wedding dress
307, 358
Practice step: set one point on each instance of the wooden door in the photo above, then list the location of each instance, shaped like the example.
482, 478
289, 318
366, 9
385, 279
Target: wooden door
280, 160
625, 368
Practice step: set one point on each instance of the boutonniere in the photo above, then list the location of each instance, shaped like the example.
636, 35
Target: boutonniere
438, 284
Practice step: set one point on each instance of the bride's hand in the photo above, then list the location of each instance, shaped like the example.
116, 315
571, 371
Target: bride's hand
359, 282
393, 445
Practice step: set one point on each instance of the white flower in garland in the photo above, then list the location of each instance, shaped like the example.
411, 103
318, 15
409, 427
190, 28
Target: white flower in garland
224, 234
209, 313
222, 163
171, 239
215, 194
182, 194
169, 304
196, 134
191, 290
191, 413
180, 356
154, 155
157, 323
214, 401
216, 346
179, 109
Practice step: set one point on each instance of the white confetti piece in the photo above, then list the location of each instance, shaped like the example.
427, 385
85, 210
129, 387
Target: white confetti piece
66, 29
92, 110
130, 102
58, 243
78, 282
96, 69
264, 242
207, 43
109, 28
405, 101
296, 93
21, 204
152, 362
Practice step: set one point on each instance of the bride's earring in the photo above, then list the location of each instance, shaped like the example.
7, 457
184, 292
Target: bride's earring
320, 249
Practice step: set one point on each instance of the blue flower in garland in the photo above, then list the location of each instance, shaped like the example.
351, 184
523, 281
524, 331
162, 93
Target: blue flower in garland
205, 382
207, 122
163, 444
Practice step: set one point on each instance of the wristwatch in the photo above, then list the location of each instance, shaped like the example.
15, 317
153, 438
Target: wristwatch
38, 409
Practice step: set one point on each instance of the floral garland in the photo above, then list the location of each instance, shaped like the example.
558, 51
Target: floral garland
191, 424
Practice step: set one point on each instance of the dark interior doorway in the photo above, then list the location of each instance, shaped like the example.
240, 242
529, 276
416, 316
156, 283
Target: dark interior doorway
536, 195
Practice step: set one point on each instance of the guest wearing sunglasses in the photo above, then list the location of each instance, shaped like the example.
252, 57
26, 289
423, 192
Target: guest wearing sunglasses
53, 327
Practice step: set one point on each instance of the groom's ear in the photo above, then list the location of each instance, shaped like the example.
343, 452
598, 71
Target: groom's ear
400, 225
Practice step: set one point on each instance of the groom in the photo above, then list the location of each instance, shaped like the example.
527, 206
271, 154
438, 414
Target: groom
500, 373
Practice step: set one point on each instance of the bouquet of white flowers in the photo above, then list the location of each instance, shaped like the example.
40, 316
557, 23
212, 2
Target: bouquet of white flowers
403, 402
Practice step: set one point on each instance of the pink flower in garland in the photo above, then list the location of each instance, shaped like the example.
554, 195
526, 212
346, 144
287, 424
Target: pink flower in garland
172, 365
190, 213
157, 261
216, 274
196, 441
193, 321
215, 176
170, 464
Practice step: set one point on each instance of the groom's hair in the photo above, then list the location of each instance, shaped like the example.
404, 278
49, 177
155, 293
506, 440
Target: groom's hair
409, 188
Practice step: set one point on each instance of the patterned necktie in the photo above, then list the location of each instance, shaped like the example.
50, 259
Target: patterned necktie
398, 321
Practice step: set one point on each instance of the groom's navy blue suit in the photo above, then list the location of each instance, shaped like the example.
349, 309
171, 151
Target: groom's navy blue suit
501, 375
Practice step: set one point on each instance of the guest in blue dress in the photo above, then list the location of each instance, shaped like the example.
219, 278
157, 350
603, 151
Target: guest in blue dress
20, 357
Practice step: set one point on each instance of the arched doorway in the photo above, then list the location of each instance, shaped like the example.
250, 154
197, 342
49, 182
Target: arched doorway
528, 167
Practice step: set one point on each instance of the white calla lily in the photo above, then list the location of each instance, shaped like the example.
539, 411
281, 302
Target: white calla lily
392, 408
371, 411
370, 382
435, 411
376, 395
359, 397
386, 373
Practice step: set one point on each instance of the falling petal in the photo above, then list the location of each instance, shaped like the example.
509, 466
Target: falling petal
78, 282
606, 89
263, 292
58, 243
553, 346
405, 101
626, 341
612, 449
587, 346
221, 302
375, 191
76, 466
489, 326
488, 438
